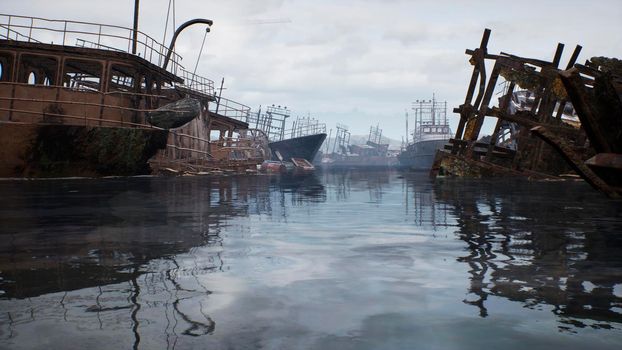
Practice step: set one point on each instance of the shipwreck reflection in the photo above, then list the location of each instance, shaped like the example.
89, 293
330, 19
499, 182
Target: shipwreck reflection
525, 246
344, 181
110, 254
420, 202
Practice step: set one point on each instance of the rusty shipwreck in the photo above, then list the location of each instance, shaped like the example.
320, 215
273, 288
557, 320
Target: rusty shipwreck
89, 99
550, 122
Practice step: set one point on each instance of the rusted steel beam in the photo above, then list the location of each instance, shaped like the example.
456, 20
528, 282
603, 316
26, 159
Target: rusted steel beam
558, 55
504, 107
584, 104
479, 71
575, 55
532, 61
526, 119
606, 160
575, 161
502, 151
474, 126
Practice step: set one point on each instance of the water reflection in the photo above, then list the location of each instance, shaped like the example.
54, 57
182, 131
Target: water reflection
344, 181
343, 259
541, 244
97, 252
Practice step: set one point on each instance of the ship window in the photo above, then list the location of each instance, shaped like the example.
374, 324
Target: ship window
214, 135
82, 75
34, 69
121, 78
6, 62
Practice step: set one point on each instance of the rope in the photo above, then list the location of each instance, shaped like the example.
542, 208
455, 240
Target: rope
168, 12
200, 52
174, 26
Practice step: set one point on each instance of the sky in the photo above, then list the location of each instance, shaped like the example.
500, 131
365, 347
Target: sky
353, 62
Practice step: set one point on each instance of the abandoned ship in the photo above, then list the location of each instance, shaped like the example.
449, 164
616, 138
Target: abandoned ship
431, 132
551, 123
90, 99
372, 154
301, 143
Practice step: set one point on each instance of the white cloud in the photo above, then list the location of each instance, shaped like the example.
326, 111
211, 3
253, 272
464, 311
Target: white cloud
355, 62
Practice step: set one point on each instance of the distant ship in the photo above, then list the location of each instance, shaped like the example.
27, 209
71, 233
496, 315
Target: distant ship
303, 140
373, 153
431, 133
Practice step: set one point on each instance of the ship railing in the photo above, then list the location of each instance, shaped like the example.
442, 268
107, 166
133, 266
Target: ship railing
196, 82
231, 109
305, 127
86, 34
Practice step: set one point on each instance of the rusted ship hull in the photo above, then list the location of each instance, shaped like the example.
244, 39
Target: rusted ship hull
30, 150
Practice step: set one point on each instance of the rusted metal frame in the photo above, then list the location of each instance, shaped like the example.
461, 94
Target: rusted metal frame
575, 161
547, 103
586, 111
189, 149
14, 75
463, 143
504, 107
112, 121
558, 55
74, 103
544, 106
483, 109
571, 62
99, 34
136, 98
107, 75
574, 57
478, 61
531, 61
526, 120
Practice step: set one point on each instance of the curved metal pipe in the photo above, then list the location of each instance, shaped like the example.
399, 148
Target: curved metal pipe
187, 24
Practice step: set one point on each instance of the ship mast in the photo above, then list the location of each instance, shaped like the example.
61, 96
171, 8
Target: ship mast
135, 32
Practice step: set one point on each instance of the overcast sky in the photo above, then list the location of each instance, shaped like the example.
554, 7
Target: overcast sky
355, 62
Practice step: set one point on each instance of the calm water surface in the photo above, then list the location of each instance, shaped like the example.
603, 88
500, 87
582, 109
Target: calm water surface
343, 260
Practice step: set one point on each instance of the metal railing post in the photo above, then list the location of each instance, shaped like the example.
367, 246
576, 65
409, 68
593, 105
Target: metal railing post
8, 28
64, 33
32, 23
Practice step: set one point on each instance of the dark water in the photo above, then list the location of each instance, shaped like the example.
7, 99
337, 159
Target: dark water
348, 260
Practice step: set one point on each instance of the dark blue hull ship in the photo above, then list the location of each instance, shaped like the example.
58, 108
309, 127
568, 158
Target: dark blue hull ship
305, 147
